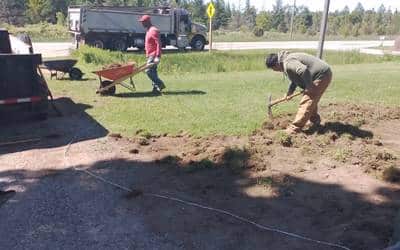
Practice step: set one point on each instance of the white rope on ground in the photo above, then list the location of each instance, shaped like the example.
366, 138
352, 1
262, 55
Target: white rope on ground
193, 204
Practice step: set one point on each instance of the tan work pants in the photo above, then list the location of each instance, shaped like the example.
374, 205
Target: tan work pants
308, 108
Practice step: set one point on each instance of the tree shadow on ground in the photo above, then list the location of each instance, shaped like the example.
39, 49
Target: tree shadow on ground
151, 94
17, 124
57, 208
340, 129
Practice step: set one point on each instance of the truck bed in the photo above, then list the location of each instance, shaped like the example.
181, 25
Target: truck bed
116, 20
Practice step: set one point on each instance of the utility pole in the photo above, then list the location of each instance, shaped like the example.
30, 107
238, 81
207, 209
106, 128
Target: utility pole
324, 23
239, 16
292, 20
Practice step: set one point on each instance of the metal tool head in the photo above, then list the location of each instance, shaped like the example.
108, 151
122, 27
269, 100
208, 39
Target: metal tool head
269, 106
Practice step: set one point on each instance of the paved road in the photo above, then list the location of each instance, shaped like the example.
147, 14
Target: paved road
63, 49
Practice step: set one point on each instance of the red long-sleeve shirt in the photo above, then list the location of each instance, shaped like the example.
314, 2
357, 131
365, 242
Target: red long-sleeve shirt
152, 42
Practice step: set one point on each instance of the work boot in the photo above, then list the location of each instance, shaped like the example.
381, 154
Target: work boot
161, 86
292, 129
156, 90
315, 120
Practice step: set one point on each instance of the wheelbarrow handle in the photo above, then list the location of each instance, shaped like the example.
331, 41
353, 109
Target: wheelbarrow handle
145, 66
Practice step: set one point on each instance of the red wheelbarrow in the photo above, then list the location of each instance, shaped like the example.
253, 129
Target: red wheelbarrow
117, 74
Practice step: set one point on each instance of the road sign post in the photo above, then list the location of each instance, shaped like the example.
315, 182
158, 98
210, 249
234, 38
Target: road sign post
210, 13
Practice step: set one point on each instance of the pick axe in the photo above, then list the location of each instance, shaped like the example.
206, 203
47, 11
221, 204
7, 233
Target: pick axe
271, 103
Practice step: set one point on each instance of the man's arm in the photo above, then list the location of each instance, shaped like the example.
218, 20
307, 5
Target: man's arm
156, 37
292, 88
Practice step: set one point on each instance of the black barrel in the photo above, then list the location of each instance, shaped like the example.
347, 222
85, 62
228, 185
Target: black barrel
19, 77
5, 46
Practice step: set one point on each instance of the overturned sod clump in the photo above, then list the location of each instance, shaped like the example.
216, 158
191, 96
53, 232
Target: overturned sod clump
143, 141
284, 139
170, 159
280, 184
115, 135
235, 158
391, 174
134, 151
385, 156
342, 154
200, 165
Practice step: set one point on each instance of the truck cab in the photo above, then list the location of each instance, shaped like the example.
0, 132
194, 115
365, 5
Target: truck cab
196, 33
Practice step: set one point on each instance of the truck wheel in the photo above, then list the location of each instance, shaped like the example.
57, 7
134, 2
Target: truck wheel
97, 43
198, 43
110, 91
75, 74
119, 45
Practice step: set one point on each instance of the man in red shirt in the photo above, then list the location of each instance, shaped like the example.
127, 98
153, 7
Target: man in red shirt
153, 52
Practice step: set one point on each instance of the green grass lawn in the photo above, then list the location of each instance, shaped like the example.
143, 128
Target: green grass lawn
231, 103
247, 36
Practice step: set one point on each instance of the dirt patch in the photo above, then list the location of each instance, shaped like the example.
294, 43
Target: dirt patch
346, 149
337, 182
349, 136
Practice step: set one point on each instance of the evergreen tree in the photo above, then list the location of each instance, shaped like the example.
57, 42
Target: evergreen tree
198, 10
357, 14
249, 15
221, 18
263, 20
304, 20
39, 10
278, 16
12, 11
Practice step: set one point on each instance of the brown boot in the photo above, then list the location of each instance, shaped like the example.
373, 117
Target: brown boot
315, 120
293, 129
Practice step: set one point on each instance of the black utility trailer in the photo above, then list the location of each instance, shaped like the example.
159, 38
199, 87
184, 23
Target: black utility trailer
21, 81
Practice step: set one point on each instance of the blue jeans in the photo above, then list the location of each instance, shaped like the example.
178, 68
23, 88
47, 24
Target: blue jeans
153, 75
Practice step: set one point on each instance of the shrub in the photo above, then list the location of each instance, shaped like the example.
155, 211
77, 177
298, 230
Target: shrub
258, 31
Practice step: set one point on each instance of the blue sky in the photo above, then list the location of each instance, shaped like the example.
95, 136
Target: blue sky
319, 4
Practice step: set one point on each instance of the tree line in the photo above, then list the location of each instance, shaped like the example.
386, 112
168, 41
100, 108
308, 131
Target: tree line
345, 22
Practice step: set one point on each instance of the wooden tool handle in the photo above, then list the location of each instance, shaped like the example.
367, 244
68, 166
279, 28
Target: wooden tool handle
284, 99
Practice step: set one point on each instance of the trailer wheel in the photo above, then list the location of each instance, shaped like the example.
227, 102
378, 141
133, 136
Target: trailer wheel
75, 74
119, 45
110, 91
198, 43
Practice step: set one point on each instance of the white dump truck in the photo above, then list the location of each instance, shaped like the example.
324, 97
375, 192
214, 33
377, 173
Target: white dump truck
118, 28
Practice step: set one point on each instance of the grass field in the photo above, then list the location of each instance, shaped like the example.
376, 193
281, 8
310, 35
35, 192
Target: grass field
46, 32
241, 36
42, 32
232, 61
231, 102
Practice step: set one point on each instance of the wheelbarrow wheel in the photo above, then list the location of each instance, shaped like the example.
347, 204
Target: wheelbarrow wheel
75, 74
110, 91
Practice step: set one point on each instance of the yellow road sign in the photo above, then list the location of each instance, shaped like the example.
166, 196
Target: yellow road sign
210, 10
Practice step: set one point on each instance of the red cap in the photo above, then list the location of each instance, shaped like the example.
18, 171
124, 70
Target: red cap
145, 18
